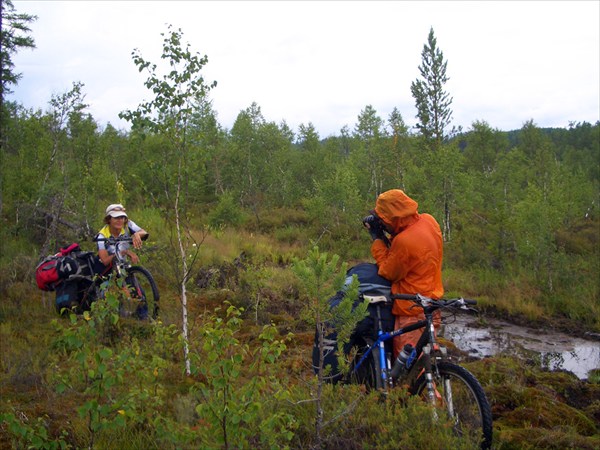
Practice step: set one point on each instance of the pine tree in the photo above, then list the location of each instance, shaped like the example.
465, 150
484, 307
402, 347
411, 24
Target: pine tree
432, 102
13, 36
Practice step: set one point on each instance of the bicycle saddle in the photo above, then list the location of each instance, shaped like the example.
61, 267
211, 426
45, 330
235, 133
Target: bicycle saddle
372, 299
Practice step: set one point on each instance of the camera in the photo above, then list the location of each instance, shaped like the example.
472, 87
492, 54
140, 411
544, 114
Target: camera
375, 224
376, 228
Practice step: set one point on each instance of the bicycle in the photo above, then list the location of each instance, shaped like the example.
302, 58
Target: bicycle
140, 297
451, 389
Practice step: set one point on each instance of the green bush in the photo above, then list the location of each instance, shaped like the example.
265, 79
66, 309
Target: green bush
226, 212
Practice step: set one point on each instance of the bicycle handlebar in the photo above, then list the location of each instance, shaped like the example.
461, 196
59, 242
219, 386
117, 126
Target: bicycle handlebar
427, 301
123, 238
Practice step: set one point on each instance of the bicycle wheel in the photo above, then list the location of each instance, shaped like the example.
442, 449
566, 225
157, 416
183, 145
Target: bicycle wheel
142, 301
366, 374
461, 396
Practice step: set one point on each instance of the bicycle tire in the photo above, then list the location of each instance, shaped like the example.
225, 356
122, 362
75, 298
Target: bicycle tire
366, 373
143, 299
471, 414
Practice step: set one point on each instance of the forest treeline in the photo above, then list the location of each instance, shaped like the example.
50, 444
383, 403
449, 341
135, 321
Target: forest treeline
518, 209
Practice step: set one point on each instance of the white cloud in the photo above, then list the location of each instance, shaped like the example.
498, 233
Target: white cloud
323, 62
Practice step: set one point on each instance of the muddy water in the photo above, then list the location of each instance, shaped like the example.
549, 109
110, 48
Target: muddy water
555, 351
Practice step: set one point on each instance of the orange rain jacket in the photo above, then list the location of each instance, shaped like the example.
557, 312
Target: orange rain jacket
413, 263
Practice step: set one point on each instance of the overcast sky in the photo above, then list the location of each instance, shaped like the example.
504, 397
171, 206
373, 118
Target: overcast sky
324, 62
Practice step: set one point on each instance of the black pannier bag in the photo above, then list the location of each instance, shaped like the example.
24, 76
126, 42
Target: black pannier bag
67, 295
70, 293
370, 283
86, 262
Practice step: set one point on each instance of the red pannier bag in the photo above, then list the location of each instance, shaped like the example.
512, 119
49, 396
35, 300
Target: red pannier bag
46, 273
50, 272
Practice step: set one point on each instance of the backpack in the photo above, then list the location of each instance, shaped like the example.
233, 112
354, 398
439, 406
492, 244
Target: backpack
370, 283
46, 273
53, 269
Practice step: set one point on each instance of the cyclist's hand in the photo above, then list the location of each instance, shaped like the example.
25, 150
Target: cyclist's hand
137, 240
133, 257
374, 232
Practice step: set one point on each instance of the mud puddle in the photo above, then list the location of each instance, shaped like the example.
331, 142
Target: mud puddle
554, 350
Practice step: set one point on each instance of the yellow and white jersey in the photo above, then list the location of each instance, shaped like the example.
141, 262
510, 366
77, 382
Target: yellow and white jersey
128, 230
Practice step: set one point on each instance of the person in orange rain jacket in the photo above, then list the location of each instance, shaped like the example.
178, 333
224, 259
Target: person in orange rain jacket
411, 259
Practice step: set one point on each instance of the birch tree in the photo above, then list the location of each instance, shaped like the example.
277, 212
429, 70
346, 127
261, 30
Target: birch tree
370, 133
55, 185
169, 114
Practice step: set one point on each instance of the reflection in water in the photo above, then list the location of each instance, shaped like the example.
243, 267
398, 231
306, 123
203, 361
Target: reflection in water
555, 351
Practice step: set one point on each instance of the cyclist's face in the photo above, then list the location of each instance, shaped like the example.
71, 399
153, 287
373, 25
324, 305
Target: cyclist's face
117, 222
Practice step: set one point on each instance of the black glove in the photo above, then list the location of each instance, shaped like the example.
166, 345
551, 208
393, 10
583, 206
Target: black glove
375, 227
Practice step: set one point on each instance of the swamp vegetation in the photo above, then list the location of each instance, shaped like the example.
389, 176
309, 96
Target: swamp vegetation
95, 381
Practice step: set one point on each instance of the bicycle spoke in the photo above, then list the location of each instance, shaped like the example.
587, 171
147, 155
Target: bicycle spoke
459, 394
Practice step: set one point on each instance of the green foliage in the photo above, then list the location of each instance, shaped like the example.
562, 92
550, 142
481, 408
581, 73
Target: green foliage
344, 318
101, 362
240, 397
178, 94
226, 212
370, 157
177, 88
172, 116
35, 435
96, 372
321, 279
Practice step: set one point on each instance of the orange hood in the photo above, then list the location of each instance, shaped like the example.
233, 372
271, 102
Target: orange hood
396, 209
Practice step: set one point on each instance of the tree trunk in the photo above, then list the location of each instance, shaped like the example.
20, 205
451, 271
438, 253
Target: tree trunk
184, 277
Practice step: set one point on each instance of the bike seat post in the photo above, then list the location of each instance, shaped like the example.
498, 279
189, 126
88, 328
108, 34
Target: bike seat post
378, 309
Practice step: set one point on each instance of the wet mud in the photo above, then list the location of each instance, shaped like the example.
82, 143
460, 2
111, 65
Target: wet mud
553, 350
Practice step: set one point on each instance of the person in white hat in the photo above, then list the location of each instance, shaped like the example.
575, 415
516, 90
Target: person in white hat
117, 224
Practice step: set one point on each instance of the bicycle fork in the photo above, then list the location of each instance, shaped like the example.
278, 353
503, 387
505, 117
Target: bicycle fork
428, 374
433, 395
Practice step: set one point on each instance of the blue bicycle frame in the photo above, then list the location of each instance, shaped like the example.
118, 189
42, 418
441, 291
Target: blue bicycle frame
383, 371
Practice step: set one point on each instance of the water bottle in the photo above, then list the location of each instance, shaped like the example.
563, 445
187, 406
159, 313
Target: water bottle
400, 365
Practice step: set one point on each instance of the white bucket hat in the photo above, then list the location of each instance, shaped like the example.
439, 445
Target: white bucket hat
115, 210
